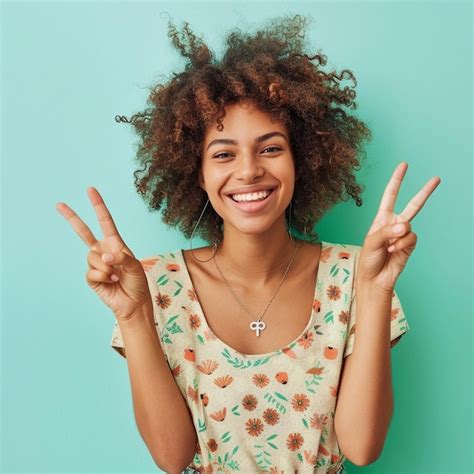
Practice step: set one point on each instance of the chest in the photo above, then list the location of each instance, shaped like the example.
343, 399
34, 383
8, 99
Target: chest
285, 319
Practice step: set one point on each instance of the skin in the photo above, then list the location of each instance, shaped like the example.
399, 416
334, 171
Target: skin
253, 245
365, 398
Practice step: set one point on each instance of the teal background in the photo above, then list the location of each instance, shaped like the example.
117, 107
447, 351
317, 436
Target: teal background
69, 67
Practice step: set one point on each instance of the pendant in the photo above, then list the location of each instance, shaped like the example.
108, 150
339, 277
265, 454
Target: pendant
257, 326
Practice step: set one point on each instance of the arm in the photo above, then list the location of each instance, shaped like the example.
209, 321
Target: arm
161, 413
365, 399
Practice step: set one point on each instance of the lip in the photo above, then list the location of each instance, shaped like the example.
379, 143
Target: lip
253, 207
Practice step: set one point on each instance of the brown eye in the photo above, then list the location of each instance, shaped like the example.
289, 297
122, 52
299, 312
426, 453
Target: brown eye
272, 147
268, 148
220, 155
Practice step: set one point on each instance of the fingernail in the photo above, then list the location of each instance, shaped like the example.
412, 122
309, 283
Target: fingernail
398, 228
107, 257
114, 277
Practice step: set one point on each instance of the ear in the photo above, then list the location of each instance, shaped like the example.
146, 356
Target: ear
201, 179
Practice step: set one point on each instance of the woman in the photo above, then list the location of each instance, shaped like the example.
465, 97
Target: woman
242, 354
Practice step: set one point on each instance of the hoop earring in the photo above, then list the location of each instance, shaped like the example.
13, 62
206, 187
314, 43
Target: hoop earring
289, 225
214, 245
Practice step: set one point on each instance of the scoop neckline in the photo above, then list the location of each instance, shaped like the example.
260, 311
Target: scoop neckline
291, 345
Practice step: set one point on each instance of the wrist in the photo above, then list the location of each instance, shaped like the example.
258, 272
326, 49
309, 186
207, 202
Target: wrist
144, 312
369, 288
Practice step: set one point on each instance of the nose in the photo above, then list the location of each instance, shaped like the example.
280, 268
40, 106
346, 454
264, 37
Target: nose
248, 168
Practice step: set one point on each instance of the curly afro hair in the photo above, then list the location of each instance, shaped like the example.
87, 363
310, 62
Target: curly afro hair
271, 69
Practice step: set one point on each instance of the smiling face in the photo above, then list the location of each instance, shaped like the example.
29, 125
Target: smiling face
251, 153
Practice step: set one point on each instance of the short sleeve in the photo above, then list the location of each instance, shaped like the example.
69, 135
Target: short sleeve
398, 323
149, 265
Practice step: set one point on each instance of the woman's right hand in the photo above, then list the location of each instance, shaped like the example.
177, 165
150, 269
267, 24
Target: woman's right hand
130, 292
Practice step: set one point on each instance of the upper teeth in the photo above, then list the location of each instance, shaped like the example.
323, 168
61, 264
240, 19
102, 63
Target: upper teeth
250, 196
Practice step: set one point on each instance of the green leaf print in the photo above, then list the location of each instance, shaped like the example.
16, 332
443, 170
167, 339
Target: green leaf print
162, 280
329, 317
226, 437
242, 363
279, 406
201, 425
279, 395
200, 339
334, 270
180, 287
172, 254
175, 328
170, 320
227, 462
234, 410
264, 463
347, 272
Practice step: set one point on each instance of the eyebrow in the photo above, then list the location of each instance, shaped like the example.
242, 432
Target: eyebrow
262, 138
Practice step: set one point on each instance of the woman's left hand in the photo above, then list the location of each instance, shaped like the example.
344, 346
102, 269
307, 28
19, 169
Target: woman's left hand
379, 265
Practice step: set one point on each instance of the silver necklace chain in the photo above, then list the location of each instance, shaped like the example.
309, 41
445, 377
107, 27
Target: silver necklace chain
257, 325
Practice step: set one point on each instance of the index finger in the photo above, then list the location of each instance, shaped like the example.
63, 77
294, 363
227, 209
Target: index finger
82, 230
103, 215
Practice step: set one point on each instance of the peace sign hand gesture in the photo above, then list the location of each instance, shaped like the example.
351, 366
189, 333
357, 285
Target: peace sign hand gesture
385, 253
125, 295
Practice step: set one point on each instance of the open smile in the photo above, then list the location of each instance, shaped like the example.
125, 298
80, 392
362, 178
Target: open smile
253, 206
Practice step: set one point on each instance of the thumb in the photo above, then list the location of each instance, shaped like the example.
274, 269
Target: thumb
129, 263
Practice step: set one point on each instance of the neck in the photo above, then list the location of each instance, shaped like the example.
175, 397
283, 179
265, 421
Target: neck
261, 258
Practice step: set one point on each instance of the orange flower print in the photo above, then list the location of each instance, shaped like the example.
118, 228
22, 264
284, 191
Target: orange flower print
208, 366
333, 292
254, 426
326, 254
173, 267
192, 294
212, 445
274, 470
260, 380
294, 441
163, 300
343, 255
249, 402
333, 390
322, 450
318, 421
306, 340
300, 402
394, 313
148, 263
224, 381
271, 416
194, 321
289, 352
192, 393
310, 457
317, 306
315, 370
176, 370
344, 317
219, 415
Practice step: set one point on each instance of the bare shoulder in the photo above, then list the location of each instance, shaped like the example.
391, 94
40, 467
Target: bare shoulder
193, 260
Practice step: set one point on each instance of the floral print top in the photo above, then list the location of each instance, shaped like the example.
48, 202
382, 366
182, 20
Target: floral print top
269, 412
